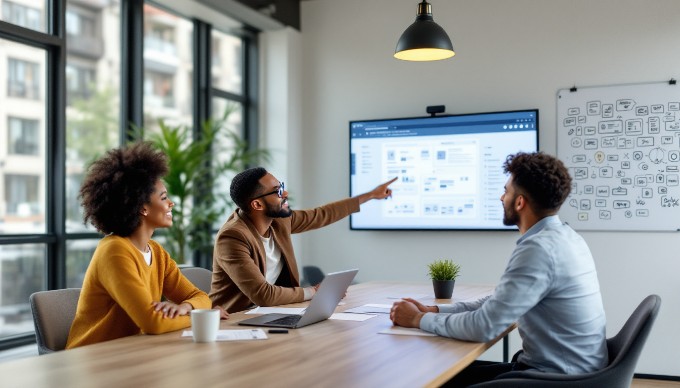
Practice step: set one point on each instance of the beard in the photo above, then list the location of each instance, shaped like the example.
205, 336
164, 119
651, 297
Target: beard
277, 211
510, 216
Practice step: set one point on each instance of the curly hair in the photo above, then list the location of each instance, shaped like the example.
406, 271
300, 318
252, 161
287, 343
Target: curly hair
119, 184
245, 185
543, 178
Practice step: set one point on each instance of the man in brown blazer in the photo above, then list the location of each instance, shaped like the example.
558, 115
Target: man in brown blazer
253, 259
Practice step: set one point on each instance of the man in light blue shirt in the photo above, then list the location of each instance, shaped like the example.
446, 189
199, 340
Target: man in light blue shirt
549, 286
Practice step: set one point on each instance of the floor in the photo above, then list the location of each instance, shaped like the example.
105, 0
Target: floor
640, 383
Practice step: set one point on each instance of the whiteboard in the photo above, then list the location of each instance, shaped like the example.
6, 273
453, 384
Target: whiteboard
622, 147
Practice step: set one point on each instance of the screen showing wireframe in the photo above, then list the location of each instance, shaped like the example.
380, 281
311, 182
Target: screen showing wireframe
449, 168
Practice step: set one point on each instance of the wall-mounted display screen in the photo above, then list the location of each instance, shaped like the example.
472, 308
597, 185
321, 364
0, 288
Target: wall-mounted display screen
449, 168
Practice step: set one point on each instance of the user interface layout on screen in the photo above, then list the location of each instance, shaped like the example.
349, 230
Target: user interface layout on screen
449, 168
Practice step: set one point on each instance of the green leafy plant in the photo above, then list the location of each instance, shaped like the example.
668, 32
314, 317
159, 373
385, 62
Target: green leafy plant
195, 166
443, 270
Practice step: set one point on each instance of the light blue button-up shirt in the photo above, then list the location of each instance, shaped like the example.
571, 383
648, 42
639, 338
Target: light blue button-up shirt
550, 289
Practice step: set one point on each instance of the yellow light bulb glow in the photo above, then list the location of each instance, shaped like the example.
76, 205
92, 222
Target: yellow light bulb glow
424, 54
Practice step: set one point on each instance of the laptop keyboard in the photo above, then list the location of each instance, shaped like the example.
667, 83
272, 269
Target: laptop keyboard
287, 320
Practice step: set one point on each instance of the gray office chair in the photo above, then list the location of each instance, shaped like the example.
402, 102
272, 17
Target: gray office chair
200, 277
624, 351
53, 313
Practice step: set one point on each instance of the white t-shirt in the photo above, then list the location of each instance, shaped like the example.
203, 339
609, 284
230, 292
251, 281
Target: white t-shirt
147, 257
274, 263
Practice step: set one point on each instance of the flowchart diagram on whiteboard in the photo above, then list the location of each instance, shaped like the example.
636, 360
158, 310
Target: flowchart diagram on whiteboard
622, 147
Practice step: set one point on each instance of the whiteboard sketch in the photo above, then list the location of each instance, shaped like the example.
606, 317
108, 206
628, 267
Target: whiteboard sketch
622, 147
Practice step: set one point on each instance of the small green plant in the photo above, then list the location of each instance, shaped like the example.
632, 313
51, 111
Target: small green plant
443, 270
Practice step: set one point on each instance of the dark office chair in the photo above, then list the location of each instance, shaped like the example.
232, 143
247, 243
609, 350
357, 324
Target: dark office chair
312, 275
53, 313
624, 351
200, 277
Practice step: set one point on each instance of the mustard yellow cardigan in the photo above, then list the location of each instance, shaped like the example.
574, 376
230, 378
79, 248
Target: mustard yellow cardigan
118, 289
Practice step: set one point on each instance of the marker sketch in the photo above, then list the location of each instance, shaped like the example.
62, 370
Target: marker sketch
621, 145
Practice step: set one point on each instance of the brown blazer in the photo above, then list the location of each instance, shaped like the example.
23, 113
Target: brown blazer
239, 258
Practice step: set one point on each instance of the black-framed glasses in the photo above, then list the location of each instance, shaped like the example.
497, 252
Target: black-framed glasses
278, 192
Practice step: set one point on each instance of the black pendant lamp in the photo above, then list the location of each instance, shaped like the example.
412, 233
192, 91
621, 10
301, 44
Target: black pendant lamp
424, 40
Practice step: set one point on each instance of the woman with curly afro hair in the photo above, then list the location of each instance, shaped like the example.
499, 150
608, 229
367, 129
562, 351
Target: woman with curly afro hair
132, 285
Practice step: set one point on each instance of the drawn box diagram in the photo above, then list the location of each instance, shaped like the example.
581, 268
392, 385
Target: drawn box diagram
621, 144
611, 127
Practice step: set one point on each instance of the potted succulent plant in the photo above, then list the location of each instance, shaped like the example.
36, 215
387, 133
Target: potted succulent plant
443, 274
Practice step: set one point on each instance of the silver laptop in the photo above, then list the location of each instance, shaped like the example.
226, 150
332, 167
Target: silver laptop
323, 304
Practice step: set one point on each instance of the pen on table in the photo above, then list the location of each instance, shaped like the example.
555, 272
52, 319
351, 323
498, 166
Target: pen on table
278, 331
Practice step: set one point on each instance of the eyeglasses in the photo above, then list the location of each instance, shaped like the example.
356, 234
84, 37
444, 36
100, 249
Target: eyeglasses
278, 192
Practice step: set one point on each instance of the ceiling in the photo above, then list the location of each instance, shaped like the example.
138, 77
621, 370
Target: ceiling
285, 11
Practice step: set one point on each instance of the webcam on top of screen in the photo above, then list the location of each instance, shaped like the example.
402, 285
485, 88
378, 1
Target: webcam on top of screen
434, 109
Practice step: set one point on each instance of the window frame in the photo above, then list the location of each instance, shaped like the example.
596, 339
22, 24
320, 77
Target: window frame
53, 41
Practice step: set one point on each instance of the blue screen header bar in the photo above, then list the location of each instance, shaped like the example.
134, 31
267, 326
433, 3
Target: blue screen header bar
446, 125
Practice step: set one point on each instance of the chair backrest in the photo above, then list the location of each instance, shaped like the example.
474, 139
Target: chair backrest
201, 277
626, 346
624, 351
53, 313
312, 275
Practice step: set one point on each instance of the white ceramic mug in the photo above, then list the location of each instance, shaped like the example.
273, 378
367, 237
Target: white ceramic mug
205, 324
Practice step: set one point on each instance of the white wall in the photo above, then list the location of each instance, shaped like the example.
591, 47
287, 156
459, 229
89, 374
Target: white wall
510, 55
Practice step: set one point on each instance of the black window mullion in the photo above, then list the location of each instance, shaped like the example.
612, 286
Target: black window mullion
202, 58
202, 100
27, 36
55, 118
250, 88
132, 67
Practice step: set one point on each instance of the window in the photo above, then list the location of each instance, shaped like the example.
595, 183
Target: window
78, 23
227, 75
158, 90
78, 256
23, 168
23, 136
98, 70
79, 83
227, 59
22, 272
23, 79
92, 97
21, 194
168, 67
225, 144
23, 16
160, 38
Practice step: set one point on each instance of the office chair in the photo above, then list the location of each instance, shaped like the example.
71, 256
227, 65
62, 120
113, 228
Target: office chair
312, 275
53, 313
624, 351
200, 277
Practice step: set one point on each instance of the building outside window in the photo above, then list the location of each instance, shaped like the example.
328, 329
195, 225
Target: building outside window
21, 194
22, 15
23, 136
80, 82
159, 90
23, 79
168, 68
78, 23
227, 59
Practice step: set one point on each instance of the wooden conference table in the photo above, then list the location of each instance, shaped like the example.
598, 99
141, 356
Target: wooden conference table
331, 353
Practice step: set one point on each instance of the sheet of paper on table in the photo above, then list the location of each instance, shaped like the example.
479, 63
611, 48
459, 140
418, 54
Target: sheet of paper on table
276, 310
234, 335
351, 317
371, 309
